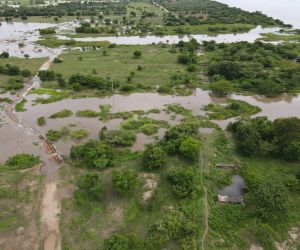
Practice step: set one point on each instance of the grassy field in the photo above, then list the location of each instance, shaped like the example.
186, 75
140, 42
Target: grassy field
232, 108
157, 64
234, 226
20, 193
269, 37
44, 19
87, 226
31, 64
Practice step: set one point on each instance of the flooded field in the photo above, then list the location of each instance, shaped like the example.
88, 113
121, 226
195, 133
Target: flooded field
18, 39
250, 36
273, 108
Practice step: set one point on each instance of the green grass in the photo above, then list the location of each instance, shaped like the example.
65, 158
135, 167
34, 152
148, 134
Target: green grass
20, 161
20, 106
157, 63
31, 64
20, 196
270, 37
61, 114
232, 108
79, 134
41, 121
87, 226
145, 125
52, 42
234, 226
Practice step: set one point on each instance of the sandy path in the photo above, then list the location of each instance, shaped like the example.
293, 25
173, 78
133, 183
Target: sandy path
50, 210
206, 210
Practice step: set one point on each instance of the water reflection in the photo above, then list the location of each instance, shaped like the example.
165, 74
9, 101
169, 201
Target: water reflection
237, 188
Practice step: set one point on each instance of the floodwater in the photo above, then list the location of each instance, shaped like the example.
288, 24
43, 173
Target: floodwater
18, 39
285, 10
237, 188
250, 36
285, 106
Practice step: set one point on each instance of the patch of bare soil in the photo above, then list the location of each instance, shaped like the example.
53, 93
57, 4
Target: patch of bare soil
116, 214
255, 247
150, 184
291, 242
50, 210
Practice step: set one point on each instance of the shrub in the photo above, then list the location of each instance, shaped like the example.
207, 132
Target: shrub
79, 134
221, 87
93, 154
137, 54
25, 73
122, 242
46, 75
154, 157
91, 185
183, 180
127, 87
57, 60
124, 181
61, 114
269, 200
119, 137
53, 135
189, 148
149, 129
41, 121
87, 113
22, 161
292, 152
4, 55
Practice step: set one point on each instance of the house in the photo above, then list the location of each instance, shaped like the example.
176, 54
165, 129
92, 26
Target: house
231, 199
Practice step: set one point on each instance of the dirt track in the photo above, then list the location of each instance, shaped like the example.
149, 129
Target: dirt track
50, 206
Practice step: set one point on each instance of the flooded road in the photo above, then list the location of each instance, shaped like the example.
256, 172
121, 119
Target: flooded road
18, 137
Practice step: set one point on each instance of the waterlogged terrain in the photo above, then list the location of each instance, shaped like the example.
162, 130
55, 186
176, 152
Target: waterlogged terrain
130, 164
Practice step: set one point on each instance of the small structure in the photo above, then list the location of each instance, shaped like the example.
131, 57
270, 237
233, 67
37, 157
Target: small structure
225, 165
234, 192
231, 199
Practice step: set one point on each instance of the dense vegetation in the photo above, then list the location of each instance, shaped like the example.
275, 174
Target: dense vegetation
259, 136
207, 11
68, 9
20, 161
257, 67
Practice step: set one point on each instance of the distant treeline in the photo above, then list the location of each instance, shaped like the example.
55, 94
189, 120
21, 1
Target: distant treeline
212, 12
67, 9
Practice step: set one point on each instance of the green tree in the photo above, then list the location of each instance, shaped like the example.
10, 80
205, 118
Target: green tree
154, 157
270, 200
183, 180
292, 151
91, 185
189, 148
124, 181
221, 87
